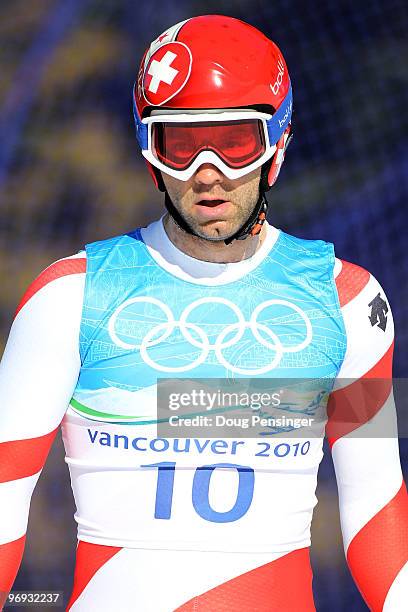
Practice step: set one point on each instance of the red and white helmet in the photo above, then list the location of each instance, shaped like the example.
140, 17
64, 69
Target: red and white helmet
213, 70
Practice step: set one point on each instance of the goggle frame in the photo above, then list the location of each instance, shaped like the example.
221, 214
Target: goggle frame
273, 127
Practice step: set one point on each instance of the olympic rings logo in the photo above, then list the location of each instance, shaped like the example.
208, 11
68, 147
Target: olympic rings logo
261, 332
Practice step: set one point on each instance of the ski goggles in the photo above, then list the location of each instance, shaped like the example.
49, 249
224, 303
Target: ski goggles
236, 142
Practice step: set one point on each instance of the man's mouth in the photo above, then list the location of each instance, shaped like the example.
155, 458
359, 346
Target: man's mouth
213, 209
210, 203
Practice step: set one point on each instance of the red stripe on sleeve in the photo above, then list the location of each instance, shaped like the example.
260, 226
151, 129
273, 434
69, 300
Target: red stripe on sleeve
21, 458
379, 551
11, 554
54, 271
284, 584
89, 559
357, 403
350, 281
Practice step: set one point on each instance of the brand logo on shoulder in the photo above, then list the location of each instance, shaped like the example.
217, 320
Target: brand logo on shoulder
379, 309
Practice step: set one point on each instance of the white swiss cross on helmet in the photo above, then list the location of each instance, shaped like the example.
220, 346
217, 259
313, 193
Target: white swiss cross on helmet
166, 73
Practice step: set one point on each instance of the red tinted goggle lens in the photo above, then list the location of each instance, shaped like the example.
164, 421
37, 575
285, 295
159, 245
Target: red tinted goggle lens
237, 143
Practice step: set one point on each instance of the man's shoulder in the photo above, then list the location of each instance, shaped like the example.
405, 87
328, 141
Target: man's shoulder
355, 283
57, 289
314, 258
112, 242
310, 245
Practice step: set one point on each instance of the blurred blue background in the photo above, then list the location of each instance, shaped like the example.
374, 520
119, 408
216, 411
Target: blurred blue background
71, 173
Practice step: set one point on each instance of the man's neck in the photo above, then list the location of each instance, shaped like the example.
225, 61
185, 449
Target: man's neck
216, 252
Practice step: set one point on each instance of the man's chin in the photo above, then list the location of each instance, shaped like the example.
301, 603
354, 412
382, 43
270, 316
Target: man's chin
216, 232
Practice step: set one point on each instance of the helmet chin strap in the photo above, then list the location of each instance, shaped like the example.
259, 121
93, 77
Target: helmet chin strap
252, 225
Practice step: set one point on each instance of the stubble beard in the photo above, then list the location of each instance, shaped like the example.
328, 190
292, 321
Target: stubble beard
218, 230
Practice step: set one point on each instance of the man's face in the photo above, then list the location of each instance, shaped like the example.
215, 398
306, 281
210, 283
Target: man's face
214, 206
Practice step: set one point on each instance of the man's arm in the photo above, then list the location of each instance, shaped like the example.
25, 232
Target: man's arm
38, 374
362, 433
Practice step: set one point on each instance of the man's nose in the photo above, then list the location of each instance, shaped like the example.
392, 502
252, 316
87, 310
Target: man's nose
208, 174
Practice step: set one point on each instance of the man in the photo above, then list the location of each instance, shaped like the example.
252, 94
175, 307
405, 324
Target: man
210, 291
